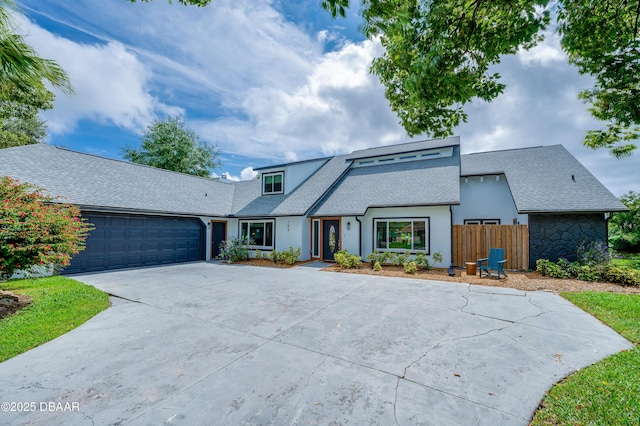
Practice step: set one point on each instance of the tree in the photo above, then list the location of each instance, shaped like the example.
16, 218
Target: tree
438, 53
20, 64
169, 144
624, 227
20, 123
35, 229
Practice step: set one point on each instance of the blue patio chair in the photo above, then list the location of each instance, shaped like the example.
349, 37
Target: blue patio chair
495, 262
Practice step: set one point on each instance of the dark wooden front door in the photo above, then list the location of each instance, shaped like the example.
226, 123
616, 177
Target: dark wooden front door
218, 235
330, 238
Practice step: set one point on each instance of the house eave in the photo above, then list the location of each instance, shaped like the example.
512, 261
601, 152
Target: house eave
569, 211
124, 210
387, 206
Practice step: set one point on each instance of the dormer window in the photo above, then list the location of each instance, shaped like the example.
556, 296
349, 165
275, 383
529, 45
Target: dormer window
273, 183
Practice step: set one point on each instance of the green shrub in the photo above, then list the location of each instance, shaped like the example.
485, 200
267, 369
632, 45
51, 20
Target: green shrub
258, 255
437, 257
398, 259
421, 261
289, 256
589, 273
410, 267
621, 274
377, 267
380, 257
273, 256
347, 260
234, 250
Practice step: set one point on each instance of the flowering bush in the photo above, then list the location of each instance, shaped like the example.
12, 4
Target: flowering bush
36, 229
234, 250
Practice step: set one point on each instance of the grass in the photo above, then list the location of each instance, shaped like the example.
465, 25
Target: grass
608, 392
58, 305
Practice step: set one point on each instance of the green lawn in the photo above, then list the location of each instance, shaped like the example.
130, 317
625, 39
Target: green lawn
608, 392
59, 305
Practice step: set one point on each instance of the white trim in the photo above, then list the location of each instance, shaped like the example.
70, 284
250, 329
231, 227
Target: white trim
273, 174
387, 220
263, 221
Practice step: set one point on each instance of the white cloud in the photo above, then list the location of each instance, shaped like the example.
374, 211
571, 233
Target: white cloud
339, 107
246, 174
545, 53
110, 83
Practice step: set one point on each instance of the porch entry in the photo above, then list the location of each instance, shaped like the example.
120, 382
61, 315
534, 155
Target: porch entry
218, 235
330, 238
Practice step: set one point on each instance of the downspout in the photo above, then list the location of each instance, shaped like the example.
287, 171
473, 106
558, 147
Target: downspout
359, 235
451, 232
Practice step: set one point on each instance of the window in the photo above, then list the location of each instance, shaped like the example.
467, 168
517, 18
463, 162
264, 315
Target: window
260, 233
482, 221
272, 183
315, 239
402, 234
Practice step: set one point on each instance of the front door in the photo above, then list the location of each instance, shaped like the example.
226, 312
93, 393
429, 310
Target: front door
330, 239
218, 235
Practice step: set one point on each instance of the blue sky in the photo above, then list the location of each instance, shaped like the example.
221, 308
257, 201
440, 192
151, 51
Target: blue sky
275, 81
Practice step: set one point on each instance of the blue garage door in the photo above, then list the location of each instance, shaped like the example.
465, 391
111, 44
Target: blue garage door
127, 241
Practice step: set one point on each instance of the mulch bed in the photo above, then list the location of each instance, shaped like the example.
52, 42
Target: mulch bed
527, 281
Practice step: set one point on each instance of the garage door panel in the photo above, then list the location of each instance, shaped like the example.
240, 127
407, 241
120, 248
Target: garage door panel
121, 241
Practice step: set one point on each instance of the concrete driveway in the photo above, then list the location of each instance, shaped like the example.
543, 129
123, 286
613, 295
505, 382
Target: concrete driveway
209, 344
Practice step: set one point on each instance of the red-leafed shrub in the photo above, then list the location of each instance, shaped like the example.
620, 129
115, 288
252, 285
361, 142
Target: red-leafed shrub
36, 229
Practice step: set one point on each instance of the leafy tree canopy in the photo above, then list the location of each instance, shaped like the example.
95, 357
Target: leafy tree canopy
20, 64
20, 123
438, 53
169, 144
624, 227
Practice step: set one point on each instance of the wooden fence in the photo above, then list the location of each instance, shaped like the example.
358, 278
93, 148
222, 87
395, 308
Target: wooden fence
472, 242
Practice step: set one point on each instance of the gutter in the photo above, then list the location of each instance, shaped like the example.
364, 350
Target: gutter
359, 235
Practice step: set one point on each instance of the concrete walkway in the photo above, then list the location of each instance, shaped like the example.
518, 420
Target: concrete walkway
202, 344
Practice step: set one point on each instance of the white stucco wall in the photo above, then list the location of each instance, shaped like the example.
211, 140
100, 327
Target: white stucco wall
293, 231
486, 198
350, 237
439, 229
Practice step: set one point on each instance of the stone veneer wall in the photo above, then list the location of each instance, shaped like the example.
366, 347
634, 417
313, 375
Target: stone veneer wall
552, 236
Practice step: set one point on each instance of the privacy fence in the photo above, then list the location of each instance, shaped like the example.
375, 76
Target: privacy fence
472, 242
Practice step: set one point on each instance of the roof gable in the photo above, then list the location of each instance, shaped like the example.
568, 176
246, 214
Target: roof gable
411, 183
544, 179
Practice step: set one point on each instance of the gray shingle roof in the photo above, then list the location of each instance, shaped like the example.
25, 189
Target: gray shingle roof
404, 148
413, 183
540, 179
248, 200
89, 180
